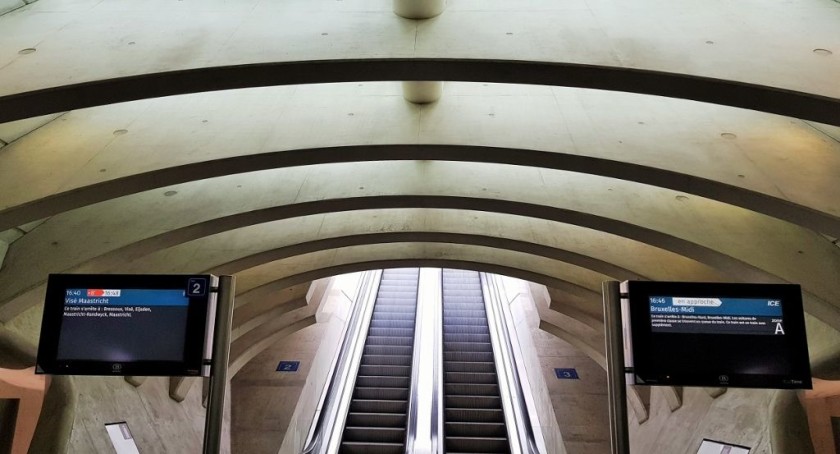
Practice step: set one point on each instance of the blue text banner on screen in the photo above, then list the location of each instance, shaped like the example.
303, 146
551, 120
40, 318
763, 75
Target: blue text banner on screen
754, 316
126, 297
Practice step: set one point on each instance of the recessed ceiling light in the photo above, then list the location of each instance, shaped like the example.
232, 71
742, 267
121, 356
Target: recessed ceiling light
26, 51
728, 135
823, 52
682, 198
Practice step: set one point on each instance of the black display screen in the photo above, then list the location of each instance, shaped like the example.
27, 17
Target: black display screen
124, 325
711, 334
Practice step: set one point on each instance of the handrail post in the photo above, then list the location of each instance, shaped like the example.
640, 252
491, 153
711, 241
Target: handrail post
616, 384
214, 418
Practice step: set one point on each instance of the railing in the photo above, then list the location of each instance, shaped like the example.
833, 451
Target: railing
328, 423
520, 428
424, 435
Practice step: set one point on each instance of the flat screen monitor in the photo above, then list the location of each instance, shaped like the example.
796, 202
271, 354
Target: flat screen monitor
715, 335
141, 325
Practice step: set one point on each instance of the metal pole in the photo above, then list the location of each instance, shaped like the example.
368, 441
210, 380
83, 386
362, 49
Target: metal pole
617, 391
218, 371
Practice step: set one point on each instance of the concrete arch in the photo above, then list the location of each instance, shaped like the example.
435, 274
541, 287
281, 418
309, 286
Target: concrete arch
793, 212
659, 239
736, 94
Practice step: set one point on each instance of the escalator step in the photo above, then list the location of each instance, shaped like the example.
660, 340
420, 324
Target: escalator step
484, 445
393, 308
385, 371
485, 402
378, 406
389, 340
475, 429
395, 316
451, 315
463, 366
392, 332
354, 447
472, 378
484, 338
468, 356
401, 350
374, 434
471, 389
385, 382
381, 393
386, 360
400, 324
467, 347
464, 321
474, 415
376, 420
451, 328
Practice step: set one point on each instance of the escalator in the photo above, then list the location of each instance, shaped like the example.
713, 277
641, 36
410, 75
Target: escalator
474, 421
376, 421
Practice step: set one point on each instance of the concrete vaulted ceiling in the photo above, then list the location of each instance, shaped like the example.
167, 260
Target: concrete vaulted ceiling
522, 168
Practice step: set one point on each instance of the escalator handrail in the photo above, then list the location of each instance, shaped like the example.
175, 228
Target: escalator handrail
524, 424
411, 424
317, 442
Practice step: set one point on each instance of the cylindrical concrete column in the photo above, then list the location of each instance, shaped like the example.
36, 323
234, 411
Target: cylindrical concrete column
423, 91
418, 9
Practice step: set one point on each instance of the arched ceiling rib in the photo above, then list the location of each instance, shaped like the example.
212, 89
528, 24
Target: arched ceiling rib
795, 104
747, 41
97, 192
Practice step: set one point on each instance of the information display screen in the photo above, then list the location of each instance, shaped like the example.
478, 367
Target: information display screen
711, 334
125, 325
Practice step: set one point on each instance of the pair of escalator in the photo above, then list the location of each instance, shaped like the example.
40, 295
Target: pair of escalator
473, 417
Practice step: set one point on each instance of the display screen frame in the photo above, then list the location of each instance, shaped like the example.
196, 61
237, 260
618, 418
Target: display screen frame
196, 326
716, 359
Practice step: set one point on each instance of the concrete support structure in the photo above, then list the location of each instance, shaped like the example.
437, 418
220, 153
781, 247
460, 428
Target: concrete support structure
577, 142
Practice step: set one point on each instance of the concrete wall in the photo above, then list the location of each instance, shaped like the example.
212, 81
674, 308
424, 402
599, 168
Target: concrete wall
578, 406
273, 411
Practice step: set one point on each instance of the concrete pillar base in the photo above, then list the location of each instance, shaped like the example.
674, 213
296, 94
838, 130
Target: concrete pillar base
422, 92
419, 9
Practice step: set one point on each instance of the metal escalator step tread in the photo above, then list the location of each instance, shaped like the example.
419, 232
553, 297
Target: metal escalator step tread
388, 350
378, 406
477, 402
469, 366
380, 393
376, 419
386, 360
477, 328
392, 332
476, 429
452, 324
478, 338
390, 340
385, 382
393, 324
374, 434
450, 313
354, 447
471, 389
385, 371
468, 356
476, 444
473, 415
483, 378
467, 347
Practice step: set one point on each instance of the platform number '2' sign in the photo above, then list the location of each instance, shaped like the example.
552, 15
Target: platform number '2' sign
196, 286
